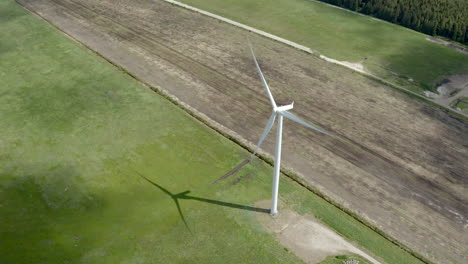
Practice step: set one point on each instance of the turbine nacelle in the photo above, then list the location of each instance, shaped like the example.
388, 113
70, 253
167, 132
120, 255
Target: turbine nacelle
279, 109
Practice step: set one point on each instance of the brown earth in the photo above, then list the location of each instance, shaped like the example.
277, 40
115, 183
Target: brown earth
397, 161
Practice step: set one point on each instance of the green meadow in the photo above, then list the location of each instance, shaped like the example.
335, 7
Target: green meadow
392, 52
97, 168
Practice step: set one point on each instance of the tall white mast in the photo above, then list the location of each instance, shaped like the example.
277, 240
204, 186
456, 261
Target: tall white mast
276, 173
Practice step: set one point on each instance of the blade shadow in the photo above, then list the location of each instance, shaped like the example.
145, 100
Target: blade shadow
233, 171
174, 197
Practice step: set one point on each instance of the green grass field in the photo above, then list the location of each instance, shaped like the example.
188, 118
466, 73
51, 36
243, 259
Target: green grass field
94, 167
390, 51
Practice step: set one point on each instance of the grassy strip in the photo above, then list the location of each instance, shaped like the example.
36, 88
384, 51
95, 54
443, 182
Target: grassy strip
461, 103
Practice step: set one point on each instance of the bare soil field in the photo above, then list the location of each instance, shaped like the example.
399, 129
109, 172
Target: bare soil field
397, 161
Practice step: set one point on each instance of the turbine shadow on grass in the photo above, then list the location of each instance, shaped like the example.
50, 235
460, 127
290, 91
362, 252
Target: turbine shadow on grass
184, 196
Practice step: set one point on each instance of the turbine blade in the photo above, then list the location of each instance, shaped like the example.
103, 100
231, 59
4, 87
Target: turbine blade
267, 129
302, 122
265, 85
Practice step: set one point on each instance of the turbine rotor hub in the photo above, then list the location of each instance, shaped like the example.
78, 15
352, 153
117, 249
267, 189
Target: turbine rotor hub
283, 108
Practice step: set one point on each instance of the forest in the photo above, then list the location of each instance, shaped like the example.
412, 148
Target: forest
446, 18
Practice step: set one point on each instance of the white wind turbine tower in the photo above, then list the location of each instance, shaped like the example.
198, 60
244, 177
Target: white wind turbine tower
279, 111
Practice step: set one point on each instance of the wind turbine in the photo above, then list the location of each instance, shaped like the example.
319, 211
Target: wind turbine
280, 111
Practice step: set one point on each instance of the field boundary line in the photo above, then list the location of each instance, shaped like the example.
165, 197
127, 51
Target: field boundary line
243, 26
310, 51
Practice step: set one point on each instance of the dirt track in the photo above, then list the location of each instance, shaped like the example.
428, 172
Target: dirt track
399, 162
306, 237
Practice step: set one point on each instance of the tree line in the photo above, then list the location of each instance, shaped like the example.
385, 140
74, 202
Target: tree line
447, 18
